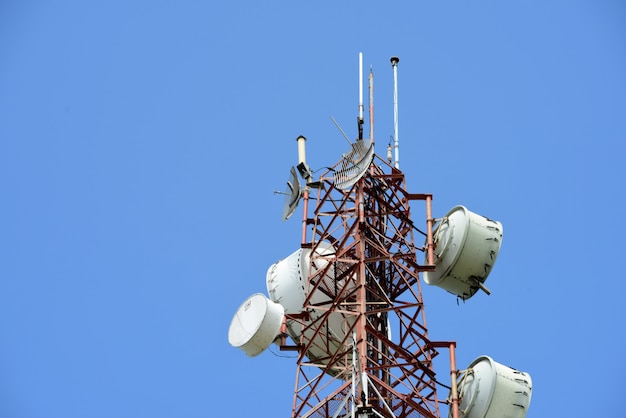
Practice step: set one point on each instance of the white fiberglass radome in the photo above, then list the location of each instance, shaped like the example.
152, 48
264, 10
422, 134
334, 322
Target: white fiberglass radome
256, 324
287, 284
466, 247
287, 279
488, 389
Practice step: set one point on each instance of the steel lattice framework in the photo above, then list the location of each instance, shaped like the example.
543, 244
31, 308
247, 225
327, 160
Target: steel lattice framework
381, 363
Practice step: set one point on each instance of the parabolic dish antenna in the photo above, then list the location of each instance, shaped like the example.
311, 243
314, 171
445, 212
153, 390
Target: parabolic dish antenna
293, 193
287, 284
353, 164
489, 389
256, 324
466, 247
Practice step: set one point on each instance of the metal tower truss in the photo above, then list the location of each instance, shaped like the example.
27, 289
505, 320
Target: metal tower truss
363, 346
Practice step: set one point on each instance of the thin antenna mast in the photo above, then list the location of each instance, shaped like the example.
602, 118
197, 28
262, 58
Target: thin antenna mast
360, 121
371, 110
394, 64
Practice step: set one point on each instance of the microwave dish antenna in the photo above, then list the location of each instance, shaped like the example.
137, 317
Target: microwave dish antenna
292, 193
489, 389
354, 164
466, 247
256, 324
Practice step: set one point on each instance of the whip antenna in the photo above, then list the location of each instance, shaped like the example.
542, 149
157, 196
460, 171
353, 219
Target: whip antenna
394, 65
360, 117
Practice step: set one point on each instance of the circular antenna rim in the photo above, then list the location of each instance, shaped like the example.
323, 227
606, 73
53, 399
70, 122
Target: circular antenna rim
254, 334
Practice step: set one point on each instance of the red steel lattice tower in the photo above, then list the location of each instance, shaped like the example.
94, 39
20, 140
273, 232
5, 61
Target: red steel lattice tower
370, 326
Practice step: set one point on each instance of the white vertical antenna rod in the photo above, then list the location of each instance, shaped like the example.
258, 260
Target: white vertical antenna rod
354, 360
394, 65
360, 87
371, 110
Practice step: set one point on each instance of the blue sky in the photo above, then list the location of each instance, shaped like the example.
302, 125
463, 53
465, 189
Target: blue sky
141, 142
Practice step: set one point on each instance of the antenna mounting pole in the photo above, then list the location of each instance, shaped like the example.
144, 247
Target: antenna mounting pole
394, 65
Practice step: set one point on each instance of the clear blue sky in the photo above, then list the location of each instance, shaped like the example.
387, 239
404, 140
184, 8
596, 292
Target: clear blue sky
141, 142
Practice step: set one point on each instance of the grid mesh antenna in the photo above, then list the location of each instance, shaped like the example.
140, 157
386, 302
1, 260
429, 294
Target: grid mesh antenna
354, 164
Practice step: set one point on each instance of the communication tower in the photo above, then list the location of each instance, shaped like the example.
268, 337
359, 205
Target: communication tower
349, 302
